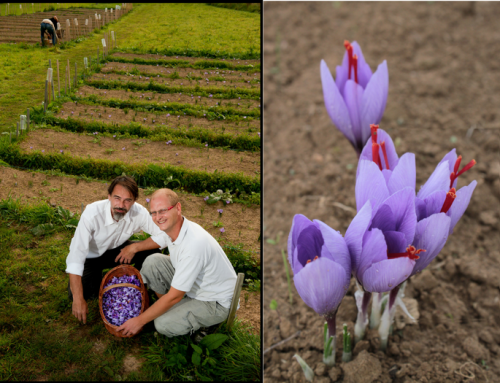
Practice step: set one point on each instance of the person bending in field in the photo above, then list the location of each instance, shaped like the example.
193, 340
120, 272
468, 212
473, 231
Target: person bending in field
101, 241
49, 26
194, 284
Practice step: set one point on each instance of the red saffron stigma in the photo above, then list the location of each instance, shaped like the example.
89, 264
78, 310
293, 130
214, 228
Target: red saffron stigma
411, 253
382, 145
375, 155
374, 128
455, 173
309, 261
348, 48
450, 197
355, 65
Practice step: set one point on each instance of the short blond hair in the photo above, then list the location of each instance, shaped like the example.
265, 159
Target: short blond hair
169, 193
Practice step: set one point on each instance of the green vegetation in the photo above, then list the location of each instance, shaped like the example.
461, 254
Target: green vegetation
175, 29
247, 7
47, 7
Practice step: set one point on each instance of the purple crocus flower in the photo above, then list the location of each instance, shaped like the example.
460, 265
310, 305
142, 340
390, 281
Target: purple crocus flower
147, 200
206, 145
219, 211
61, 151
356, 98
206, 198
321, 265
222, 230
228, 202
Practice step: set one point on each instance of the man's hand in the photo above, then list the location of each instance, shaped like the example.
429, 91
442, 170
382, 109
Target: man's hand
131, 327
80, 309
126, 254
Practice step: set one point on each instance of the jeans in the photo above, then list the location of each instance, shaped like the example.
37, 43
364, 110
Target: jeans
189, 314
46, 27
92, 271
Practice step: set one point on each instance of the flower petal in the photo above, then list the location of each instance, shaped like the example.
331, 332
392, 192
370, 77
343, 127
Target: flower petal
434, 203
384, 219
402, 204
374, 250
335, 247
322, 284
309, 244
355, 232
439, 180
341, 72
451, 157
385, 275
431, 235
375, 99
396, 242
353, 94
335, 105
370, 185
460, 204
404, 174
299, 223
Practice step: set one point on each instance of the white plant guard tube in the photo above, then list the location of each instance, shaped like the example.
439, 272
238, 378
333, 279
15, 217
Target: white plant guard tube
49, 75
22, 122
86, 21
103, 43
113, 35
85, 63
58, 26
76, 22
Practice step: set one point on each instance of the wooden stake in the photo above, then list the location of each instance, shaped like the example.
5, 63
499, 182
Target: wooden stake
69, 77
28, 121
58, 82
17, 130
45, 102
75, 75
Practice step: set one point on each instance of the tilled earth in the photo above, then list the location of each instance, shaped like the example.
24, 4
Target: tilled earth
443, 93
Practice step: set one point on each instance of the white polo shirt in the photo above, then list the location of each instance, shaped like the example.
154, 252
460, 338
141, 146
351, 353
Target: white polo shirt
97, 232
202, 269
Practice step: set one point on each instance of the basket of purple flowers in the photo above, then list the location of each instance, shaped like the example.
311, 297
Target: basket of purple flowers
122, 296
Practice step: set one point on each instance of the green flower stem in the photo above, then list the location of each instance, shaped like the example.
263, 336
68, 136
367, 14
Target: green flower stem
347, 352
287, 277
330, 340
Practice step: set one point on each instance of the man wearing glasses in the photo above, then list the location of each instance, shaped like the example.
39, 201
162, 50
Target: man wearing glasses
197, 267
101, 241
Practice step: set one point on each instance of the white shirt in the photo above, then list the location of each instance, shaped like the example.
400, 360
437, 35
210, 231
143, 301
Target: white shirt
97, 232
202, 269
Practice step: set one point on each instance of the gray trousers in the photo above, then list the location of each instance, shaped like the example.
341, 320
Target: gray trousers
189, 314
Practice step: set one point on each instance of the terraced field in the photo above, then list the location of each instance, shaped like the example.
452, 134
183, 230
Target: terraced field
187, 122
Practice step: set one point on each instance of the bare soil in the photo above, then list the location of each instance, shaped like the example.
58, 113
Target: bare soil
120, 116
152, 70
241, 223
141, 151
183, 58
169, 97
174, 82
443, 93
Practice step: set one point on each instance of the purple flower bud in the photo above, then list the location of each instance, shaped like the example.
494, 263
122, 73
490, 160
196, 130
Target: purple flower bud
220, 211
147, 200
206, 145
61, 151
123, 148
222, 230
176, 154
206, 198
228, 202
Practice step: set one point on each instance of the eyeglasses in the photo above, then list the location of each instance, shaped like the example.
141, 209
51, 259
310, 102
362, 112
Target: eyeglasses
161, 212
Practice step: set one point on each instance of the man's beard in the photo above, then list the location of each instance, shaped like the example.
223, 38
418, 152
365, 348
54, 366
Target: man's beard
117, 215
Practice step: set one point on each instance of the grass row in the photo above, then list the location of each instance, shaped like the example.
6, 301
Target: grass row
147, 175
179, 63
195, 137
217, 92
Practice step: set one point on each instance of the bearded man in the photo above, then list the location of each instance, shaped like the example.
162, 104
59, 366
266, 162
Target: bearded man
101, 241
194, 284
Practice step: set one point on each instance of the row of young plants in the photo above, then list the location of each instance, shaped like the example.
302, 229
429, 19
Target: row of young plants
215, 112
147, 175
194, 136
206, 91
179, 63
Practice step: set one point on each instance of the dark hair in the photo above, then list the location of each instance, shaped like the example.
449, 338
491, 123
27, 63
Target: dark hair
128, 183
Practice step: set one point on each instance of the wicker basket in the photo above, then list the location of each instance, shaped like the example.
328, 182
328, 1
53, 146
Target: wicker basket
120, 271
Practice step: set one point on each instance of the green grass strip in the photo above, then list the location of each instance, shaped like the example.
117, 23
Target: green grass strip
159, 133
146, 175
175, 76
215, 112
217, 92
179, 63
